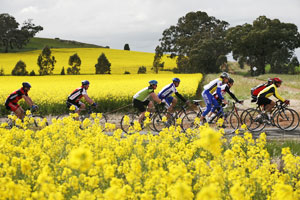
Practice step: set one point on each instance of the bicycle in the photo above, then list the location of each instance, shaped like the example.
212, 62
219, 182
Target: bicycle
230, 120
31, 120
160, 119
282, 117
89, 113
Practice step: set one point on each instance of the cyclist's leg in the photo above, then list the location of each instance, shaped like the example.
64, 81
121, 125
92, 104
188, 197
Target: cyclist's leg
207, 97
16, 108
172, 104
20, 112
141, 107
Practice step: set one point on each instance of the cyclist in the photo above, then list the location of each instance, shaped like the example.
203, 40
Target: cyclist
77, 94
207, 94
11, 102
226, 88
255, 91
167, 91
267, 103
141, 99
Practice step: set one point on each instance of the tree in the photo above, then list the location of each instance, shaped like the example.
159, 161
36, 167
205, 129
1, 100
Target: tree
293, 64
264, 42
142, 70
32, 73
62, 71
157, 64
46, 62
198, 40
74, 62
2, 72
12, 36
103, 65
20, 69
126, 47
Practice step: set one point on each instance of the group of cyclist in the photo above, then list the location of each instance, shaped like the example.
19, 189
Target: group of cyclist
213, 96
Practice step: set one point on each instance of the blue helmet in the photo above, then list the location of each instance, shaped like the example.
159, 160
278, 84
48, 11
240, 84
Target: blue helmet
176, 80
26, 84
153, 82
85, 82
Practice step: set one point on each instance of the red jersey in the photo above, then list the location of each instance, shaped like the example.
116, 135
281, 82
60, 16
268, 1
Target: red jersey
16, 96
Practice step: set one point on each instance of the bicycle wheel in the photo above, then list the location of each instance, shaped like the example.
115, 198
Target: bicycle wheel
243, 115
40, 121
232, 122
188, 121
127, 122
253, 121
162, 120
288, 119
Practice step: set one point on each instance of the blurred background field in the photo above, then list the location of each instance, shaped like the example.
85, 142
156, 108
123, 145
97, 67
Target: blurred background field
120, 60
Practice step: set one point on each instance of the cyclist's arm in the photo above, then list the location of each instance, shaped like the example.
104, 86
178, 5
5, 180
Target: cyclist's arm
155, 98
277, 95
219, 93
28, 100
231, 94
88, 99
180, 97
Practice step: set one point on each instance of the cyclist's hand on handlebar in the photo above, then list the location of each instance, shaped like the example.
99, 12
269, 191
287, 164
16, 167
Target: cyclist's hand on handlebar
241, 102
287, 102
224, 101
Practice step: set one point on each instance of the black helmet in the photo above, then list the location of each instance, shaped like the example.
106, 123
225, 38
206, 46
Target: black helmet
85, 82
230, 80
26, 84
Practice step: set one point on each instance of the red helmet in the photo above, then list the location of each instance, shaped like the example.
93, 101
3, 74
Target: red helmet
277, 80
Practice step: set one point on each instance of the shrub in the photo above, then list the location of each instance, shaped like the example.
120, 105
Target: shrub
142, 70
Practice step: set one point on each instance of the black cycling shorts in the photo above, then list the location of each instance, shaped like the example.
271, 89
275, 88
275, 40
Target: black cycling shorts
140, 105
263, 101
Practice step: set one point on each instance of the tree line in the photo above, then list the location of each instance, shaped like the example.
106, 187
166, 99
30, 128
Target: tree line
46, 63
200, 43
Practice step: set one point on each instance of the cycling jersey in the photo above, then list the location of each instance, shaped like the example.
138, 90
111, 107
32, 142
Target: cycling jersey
215, 85
167, 91
16, 96
225, 88
143, 94
77, 94
269, 91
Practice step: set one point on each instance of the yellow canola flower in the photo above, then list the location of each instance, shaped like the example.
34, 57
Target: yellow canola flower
80, 159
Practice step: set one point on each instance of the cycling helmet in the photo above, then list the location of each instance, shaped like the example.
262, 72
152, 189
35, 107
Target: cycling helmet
230, 80
176, 80
270, 81
153, 82
26, 84
85, 82
277, 80
224, 75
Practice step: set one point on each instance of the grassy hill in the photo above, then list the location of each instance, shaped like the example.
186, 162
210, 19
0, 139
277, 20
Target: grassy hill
39, 43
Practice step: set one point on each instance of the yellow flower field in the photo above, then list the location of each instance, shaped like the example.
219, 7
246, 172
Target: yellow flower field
109, 91
62, 161
120, 60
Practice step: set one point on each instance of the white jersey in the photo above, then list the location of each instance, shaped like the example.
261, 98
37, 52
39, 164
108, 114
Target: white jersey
167, 91
213, 85
223, 92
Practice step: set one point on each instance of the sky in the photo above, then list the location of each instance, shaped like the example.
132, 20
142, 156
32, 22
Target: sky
140, 23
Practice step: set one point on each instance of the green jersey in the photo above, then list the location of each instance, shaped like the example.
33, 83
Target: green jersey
143, 94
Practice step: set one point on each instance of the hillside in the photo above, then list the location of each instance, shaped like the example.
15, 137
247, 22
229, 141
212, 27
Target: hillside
39, 43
